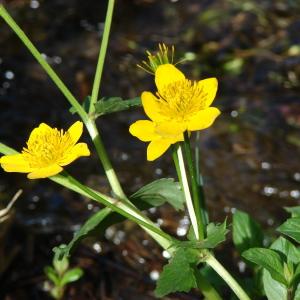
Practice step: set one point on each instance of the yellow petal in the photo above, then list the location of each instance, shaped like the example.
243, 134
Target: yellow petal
166, 74
173, 131
38, 131
209, 88
45, 172
151, 107
15, 163
157, 148
80, 149
203, 119
75, 131
143, 130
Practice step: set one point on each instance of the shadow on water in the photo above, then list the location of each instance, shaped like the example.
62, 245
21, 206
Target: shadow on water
249, 158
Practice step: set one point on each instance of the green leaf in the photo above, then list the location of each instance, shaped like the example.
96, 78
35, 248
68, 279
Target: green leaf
51, 275
160, 191
216, 234
86, 229
71, 276
114, 104
274, 290
285, 247
291, 228
178, 275
246, 232
268, 259
294, 211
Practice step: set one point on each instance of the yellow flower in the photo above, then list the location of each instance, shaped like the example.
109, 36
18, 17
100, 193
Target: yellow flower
48, 150
179, 105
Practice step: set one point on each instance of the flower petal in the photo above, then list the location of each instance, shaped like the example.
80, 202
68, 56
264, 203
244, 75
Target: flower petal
173, 131
143, 130
75, 131
151, 107
80, 149
209, 87
203, 119
15, 163
166, 74
45, 172
157, 148
38, 131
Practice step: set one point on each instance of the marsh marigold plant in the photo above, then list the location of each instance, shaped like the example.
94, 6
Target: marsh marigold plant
48, 151
179, 105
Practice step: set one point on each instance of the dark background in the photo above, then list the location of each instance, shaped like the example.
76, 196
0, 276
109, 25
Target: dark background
249, 157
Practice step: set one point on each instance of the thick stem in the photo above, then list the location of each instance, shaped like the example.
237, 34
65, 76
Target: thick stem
198, 197
223, 273
41, 60
102, 54
189, 202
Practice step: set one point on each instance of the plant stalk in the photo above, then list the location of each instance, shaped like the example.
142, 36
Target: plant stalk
198, 197
199, 234
103, 156
102, 54
223, 273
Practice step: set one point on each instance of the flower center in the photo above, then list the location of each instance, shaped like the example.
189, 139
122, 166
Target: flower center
181, 99
46, 147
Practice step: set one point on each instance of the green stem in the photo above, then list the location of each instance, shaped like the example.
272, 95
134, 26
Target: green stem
120, 207
103, 156
208, 291
189, 202
236, 288
198, 197
176, 162
59, 83
102, 54
199, 176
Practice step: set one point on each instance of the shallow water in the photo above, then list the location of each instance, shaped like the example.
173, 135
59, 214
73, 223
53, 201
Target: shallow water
249, 157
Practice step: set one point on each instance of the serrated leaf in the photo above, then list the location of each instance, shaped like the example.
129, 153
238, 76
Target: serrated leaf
285, 247
71, 276
216, 234
160, 191
293, 210
291, 228
115, 104
274, 290
268, 259
246, 232
178, 275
